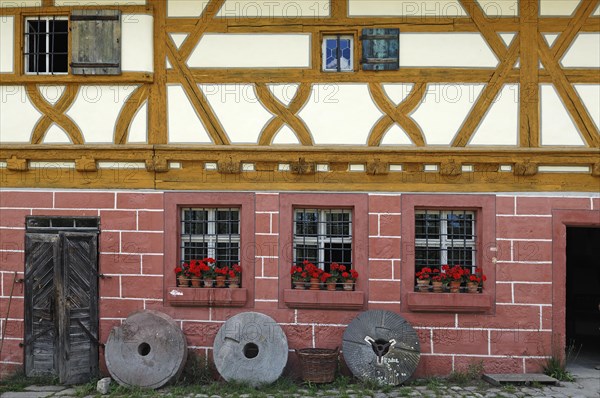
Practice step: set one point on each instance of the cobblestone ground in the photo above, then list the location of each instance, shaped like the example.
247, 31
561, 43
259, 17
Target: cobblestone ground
573, 390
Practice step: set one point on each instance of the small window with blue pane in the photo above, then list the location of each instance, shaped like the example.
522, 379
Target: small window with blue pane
338, 53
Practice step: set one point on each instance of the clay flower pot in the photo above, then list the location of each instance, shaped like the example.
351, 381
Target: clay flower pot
348, 285
209, 282
472, 287
438, 286
315, 284
454, 286
183, 281
234, 283
299, 285
423, 285
331, 285
221, 280
196, 281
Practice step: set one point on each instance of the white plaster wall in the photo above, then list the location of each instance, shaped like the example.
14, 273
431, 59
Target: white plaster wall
7, 44
20, 3
558, 7
18, 115
340, 114
137, 43
138, 131
56, 135
178, 38
500, 125
397, 92
584, 52
185, 8
285, 136
96, 109
445, 50
290, 9
240, 113
52, 93
98, 2
395, 135
444, 109
597, 12
252, 50
284, 92
184, 123
443, 8
556, 125
498, 8
590, 95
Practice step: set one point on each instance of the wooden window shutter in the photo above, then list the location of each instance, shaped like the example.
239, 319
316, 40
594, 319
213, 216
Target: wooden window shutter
96, 42
380, 49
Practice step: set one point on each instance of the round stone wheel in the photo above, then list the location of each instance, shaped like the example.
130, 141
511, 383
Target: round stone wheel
381, 346
148, 350
250, 348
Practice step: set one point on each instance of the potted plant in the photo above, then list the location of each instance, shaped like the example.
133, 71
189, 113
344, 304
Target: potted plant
235, 273
437, 281
195, 273
475, 281
423, 279
182, 273
349, 278
457, 275
208, 271
314, 274
221, 274
299, 277
329, 280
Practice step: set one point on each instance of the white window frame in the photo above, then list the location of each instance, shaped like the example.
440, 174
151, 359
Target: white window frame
27, 51
324, 52
322, 238
210, 238
444, 242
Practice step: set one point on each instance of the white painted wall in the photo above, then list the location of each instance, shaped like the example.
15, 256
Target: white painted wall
558, 7
445, 50
252, 50
285, 136
56, 135
96, 109
20, 3
240, 113
289, 9
52, 93
590, 95
138, 131
500, 125
185, 8
7, 44
497, 8
584, 52
137, 43
340, 114
184, 123
395, 135
18, 115
397, 92
443, 8
556, 125
284, 92
444, 109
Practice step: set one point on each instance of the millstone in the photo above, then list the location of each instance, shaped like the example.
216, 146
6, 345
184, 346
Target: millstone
381, 346
148, 350
251, 348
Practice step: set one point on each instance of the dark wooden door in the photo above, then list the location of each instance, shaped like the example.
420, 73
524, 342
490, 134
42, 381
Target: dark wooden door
61, 310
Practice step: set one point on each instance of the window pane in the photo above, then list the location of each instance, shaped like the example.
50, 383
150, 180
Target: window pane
427, 225
228, 222
195, 222
58, 46
460, 225
331, 57
338, 224
427, 257
306, 223
194, 251
345, 54
228, 253
305, 252
340, 253
460, 255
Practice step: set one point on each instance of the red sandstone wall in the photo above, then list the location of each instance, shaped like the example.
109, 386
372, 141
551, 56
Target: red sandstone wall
510, 339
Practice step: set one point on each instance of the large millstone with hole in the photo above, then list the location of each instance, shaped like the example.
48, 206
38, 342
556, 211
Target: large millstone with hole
381, 346
250, 348
148, 350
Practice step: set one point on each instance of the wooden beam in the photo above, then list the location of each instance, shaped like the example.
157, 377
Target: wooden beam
485, 27
157, 104
565, 39
135, 101
124, 78
203, 22
529, 97
339, 9
55, 10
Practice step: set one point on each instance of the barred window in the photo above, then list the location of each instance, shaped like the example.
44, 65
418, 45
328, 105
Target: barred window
445, 237
323, 236
46, 45
210, 232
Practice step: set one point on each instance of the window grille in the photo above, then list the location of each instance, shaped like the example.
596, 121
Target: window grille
46, 45
210, 232
323, 236
445, 237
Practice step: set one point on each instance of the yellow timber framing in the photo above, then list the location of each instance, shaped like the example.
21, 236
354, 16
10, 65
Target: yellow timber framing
528, 46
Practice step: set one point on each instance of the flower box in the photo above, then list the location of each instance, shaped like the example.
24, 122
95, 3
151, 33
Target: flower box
207, 297
449, 302
324, 299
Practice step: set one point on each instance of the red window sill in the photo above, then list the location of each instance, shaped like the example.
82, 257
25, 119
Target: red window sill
207, 297
324, 299
449, 302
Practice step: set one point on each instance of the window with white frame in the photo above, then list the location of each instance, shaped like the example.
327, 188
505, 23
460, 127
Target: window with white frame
445, 237
338, 53
323, 236
46, 45
210, 232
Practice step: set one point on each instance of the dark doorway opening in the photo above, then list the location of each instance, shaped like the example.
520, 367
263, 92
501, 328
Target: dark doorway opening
583, 294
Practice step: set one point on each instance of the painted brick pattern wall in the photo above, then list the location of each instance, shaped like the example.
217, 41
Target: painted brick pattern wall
514, 339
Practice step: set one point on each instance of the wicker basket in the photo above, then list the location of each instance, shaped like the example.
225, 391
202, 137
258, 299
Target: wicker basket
318, 364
